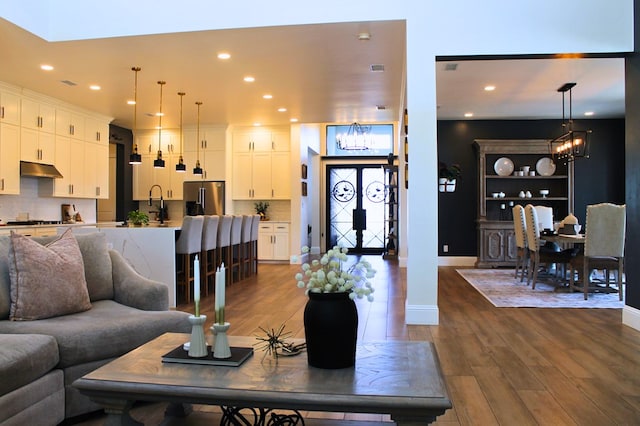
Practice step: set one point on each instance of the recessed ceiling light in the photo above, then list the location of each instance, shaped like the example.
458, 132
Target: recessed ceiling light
282, 110
293, 120
94, 87
364, 36
224, 55
589, 113
267, 96
489, 88
257, 124
249, 79
159, 114
131, 102
468, 114
46, 67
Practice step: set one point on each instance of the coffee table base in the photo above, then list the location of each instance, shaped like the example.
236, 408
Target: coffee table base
233, 416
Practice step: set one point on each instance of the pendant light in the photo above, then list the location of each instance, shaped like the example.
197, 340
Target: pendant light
572, 144
135, 158
180, 167
158, 163
197, 170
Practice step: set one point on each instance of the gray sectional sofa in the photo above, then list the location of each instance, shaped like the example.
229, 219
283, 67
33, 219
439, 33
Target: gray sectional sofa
40, 359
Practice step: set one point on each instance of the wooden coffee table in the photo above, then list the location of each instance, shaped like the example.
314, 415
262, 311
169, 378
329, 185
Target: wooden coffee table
402, 379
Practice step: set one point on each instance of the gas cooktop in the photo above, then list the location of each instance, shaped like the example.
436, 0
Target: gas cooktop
34, 222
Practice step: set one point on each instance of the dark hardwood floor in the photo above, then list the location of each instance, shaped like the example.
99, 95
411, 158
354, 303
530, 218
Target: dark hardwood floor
503, 366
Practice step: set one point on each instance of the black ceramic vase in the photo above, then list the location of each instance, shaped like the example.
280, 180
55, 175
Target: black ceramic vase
331, 329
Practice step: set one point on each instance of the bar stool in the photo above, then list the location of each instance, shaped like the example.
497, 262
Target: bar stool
245, 245
224, 244
236, 248
253, 247
189, 244
208, 255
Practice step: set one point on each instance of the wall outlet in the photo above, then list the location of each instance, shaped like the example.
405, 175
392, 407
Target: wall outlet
445, 248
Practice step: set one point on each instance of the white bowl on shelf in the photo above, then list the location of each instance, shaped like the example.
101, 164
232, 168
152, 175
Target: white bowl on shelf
495, 194
544, 193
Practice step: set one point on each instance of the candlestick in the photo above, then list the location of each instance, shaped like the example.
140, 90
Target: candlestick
196, 284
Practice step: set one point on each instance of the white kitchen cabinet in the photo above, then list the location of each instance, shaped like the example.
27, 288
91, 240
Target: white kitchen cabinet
96, 131
210, 150
37, 146
70, 162
273, 241
70, 124
96, 170
145, 175
261, 166
37, 116
9, 108
9, 159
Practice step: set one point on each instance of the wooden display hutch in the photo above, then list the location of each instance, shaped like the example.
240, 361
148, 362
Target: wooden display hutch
496, 239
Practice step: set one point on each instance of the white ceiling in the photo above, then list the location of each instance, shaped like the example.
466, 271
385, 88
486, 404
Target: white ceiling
320, 73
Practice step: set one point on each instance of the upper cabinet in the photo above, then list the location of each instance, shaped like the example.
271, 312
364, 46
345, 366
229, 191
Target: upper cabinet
70, 124
209, 150
261, 164
9, 108
38, 115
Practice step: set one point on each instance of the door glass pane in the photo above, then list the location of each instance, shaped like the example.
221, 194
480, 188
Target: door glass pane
342, 195
374, 193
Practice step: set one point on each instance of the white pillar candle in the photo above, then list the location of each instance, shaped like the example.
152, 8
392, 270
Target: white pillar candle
219, 294
196, 284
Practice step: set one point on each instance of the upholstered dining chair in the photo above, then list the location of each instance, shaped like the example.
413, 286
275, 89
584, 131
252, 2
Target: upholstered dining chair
189, 244
235, 266
520, 231
605, 229
209, 255
245, 247
224, 245
545, 217
538, 255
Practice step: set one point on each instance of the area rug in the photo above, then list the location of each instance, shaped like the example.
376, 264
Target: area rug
500, 288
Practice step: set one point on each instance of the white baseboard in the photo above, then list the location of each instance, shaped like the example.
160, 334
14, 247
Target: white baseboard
421, 314
457, 260
631, 317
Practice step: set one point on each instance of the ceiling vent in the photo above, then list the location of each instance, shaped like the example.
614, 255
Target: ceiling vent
69, 83
381, 107
377, 68
451, 66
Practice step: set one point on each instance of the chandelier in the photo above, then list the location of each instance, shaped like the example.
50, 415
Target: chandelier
357, 137
572, 144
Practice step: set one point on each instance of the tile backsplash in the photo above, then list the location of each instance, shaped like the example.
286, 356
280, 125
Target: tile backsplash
41, 208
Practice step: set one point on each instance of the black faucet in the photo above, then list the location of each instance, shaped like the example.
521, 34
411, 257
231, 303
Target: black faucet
161, 202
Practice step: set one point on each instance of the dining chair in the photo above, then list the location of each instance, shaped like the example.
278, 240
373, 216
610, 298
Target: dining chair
235, 266
253, 254
209, 253
605, 229
520, 231
245, 247
188, 245
538, 255
545, 217
224, 245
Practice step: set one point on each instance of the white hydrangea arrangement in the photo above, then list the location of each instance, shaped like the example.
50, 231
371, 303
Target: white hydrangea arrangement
328, 275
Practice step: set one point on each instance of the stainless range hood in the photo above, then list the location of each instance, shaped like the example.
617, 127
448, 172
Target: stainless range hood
39, 170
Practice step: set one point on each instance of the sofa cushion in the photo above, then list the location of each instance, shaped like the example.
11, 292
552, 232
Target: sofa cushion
24, 358
97, 263
46, 281
107, 330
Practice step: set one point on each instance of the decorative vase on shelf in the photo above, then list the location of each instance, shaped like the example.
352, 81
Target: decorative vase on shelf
442, 184
330, 329
451, 185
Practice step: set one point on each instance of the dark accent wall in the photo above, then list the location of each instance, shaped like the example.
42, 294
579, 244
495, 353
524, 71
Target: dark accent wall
632, 137
123, 138
600, 178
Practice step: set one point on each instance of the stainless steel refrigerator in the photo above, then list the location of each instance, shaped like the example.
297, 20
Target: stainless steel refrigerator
203, 197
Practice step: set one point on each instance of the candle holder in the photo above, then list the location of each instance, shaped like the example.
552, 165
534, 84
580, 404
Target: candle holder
221, 347
197, 344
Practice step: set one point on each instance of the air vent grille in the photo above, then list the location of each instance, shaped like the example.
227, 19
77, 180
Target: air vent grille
451, 66
377, 68
69, 83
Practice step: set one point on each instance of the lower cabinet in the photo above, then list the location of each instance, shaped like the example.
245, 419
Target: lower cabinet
496, 244
273, 241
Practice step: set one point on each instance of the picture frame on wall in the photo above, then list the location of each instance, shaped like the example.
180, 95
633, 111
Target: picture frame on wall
303, 171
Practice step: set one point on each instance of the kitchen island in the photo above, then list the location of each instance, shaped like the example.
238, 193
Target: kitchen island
150, 250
